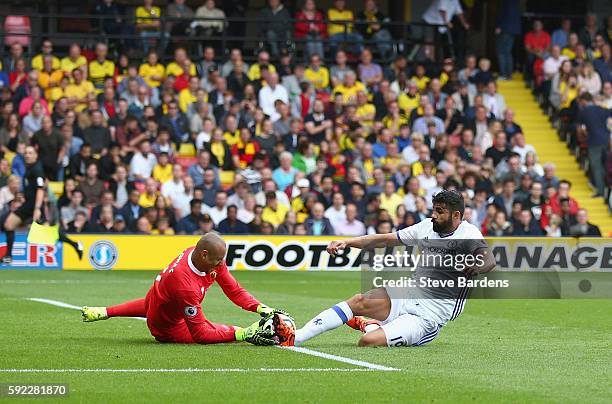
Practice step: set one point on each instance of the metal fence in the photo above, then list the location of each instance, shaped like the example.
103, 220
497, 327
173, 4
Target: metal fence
87, 29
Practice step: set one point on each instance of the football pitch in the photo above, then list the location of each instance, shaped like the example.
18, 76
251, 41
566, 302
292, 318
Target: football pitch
496, 351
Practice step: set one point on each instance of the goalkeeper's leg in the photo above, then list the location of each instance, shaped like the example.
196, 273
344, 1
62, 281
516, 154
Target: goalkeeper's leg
133, 308
375, 304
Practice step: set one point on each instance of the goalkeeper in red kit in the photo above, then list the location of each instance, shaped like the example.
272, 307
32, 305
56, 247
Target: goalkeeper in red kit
173, 308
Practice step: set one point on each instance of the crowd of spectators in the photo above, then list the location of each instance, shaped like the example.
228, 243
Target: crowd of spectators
571, 72
281, 147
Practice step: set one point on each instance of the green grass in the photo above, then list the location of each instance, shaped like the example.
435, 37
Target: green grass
497, 351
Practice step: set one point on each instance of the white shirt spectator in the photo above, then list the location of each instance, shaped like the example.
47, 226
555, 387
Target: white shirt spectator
141, 165
202, 138
432, 14
245, 216
522, 151
234, 199
281, 197
346, 228
410, 155
216, 214
427, 183
267, 97
171, 188
410, 203
551, 65
495, 103
181, 202
336, 216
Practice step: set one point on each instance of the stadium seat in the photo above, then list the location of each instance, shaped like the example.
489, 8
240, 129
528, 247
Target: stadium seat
57, 187
227, 178
19, 25
187, 150
185, 162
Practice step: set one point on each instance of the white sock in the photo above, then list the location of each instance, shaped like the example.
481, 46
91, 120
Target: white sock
327, 320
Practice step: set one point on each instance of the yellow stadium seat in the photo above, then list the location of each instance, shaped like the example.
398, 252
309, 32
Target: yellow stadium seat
187, 150
57, 187
227, 178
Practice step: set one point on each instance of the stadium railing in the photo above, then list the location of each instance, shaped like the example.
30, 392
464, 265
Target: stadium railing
89, 29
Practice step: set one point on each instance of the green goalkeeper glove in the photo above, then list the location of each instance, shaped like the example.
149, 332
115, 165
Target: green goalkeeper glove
266, 311
255, 334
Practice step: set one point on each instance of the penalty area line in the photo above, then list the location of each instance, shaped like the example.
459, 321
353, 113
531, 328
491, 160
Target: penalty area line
306, 351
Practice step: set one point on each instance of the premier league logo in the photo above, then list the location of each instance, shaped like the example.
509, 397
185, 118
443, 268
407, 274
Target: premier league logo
103, 255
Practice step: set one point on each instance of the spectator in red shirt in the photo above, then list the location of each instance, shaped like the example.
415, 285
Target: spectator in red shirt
563, 193
311, 28
537, 44
245, 150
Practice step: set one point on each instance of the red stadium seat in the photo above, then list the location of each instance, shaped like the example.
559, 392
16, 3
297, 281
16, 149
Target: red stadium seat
17, 24
185, 162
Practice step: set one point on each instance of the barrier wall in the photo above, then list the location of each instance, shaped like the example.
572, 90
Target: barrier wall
308, 253
134, 252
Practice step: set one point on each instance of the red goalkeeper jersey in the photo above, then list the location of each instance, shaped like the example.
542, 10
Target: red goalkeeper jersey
174, 301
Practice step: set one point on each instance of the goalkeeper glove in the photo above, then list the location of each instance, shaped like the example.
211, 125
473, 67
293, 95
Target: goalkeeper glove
255, 334
266, 311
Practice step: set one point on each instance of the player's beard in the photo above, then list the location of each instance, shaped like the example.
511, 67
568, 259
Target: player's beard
441, 227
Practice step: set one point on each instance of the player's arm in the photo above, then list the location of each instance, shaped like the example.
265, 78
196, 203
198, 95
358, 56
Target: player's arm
485, 262
204, 332
361, 242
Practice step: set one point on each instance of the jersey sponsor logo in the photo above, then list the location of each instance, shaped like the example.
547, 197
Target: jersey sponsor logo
191, 311
103, 255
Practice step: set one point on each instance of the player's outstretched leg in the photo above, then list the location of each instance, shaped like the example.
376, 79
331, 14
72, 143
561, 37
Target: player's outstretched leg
375, 304
133, 308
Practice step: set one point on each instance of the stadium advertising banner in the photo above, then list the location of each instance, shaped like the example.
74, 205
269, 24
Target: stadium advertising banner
32, 256
134, 252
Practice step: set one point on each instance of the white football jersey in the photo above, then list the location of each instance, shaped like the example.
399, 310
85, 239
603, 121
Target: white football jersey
444, 301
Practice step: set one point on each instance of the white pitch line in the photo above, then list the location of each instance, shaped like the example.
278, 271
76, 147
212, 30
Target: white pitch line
355, 362
186, 370
364, 364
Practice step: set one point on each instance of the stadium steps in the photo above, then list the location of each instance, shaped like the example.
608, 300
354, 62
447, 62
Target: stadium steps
541, 134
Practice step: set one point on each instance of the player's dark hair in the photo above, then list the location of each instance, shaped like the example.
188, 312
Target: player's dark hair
452, 199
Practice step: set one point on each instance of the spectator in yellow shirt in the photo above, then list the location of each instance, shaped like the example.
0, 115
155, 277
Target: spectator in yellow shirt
73, 60
263, 62
49, 77
152, 71
394, 118
47, 49
342, 30
274, 212
188, 95
162, 172
79, 91
410, 99
148, 24
421, 80
149, 196
100, 68
349, 88
568, 91
175, 68
390, 200
316, 74
365, 112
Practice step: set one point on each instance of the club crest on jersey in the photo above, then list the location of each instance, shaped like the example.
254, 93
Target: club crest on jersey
191, 311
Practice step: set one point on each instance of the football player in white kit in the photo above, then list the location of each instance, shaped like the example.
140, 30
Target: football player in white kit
417, 320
